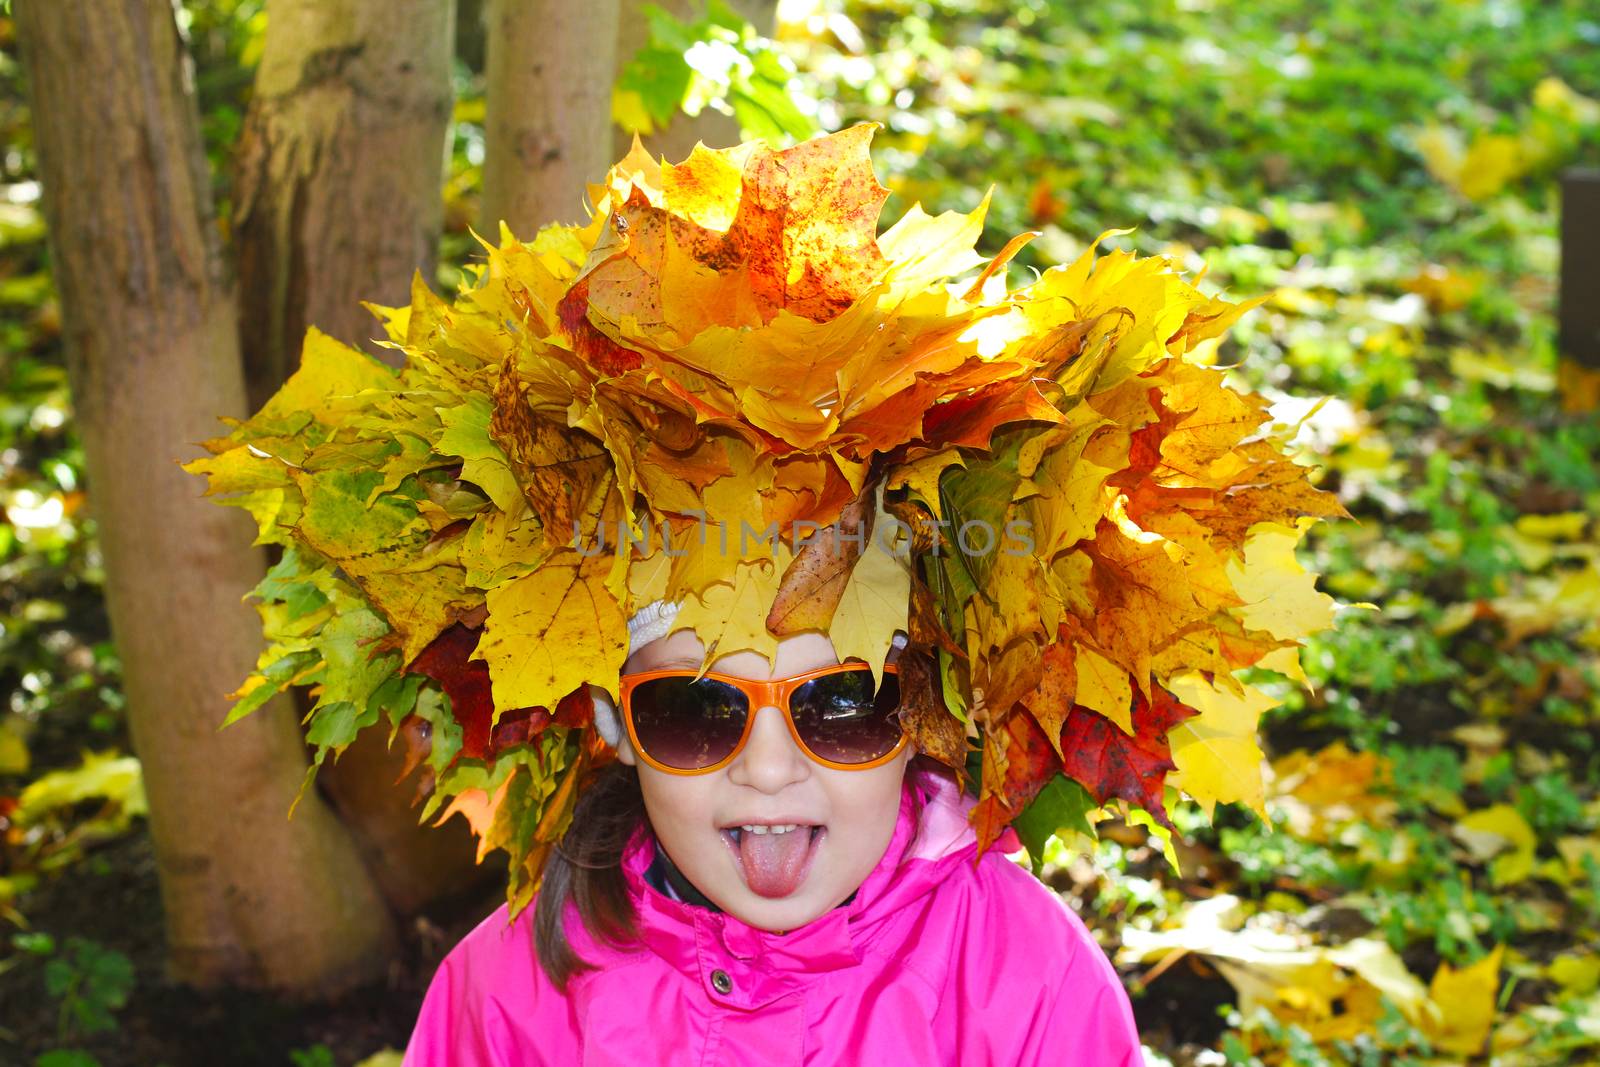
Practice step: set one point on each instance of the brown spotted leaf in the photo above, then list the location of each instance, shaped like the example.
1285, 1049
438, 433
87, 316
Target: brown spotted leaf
815, 581
564, 474
933, 730
808, 224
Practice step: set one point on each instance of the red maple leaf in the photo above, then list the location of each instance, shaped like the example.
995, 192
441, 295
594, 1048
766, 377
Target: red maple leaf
1144, 444
466, 682
1109, 763
591, 345
973, 418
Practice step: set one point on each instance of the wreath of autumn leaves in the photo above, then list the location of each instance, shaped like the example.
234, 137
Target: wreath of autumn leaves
729, 344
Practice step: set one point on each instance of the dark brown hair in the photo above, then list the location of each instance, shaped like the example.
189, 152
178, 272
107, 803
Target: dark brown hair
586, 868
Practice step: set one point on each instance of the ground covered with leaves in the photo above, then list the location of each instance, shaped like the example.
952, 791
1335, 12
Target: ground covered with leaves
1428, 889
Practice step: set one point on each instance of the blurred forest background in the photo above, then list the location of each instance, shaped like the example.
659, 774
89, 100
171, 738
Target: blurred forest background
1429, 889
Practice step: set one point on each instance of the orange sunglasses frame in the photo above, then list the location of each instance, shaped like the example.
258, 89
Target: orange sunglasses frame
774, 692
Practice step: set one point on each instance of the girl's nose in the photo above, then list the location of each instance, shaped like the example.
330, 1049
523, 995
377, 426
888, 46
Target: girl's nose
770, 759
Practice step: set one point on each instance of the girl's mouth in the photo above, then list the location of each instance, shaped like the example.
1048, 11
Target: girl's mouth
774, 858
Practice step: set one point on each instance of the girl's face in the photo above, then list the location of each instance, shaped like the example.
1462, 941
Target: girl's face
771, 782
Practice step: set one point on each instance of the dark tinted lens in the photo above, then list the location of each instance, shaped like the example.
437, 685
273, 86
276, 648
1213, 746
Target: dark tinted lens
688, 724
841, 719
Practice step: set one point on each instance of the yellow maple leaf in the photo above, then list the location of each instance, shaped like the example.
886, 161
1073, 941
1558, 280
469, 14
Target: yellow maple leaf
329, 370
1286, 661
1149, 301
922, 475
924, 249
1477, 170
874, 605
1500, 834
551, 631
1070, 503
730, 616
1465, 1004
1104, 686
1577, 974
1216, 752
1279, 595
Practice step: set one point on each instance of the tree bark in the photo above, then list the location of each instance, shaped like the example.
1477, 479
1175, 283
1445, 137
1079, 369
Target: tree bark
152, 353
338, 173
338, 177
551, 65
415, 865
677, 138
1578, 365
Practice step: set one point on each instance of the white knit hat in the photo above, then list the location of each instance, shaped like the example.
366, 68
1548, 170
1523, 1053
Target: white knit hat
649, 623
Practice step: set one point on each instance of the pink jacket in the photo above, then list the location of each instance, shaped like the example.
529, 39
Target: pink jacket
937, 960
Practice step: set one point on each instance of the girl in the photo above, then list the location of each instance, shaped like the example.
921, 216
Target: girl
1053, 534
811, 895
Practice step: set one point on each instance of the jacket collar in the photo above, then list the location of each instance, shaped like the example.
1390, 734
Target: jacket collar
663, 876
931, 834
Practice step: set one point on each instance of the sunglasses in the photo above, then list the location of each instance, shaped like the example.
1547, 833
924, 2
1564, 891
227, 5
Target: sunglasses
684, 722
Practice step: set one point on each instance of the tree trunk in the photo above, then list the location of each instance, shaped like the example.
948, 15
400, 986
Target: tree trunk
1578, 366
338, 177
338, 173
676, 139
551, 65
152, 353
416, 865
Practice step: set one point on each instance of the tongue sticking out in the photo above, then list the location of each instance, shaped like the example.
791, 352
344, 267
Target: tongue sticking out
774, 864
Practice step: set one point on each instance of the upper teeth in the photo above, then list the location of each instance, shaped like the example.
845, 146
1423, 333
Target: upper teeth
752, 828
